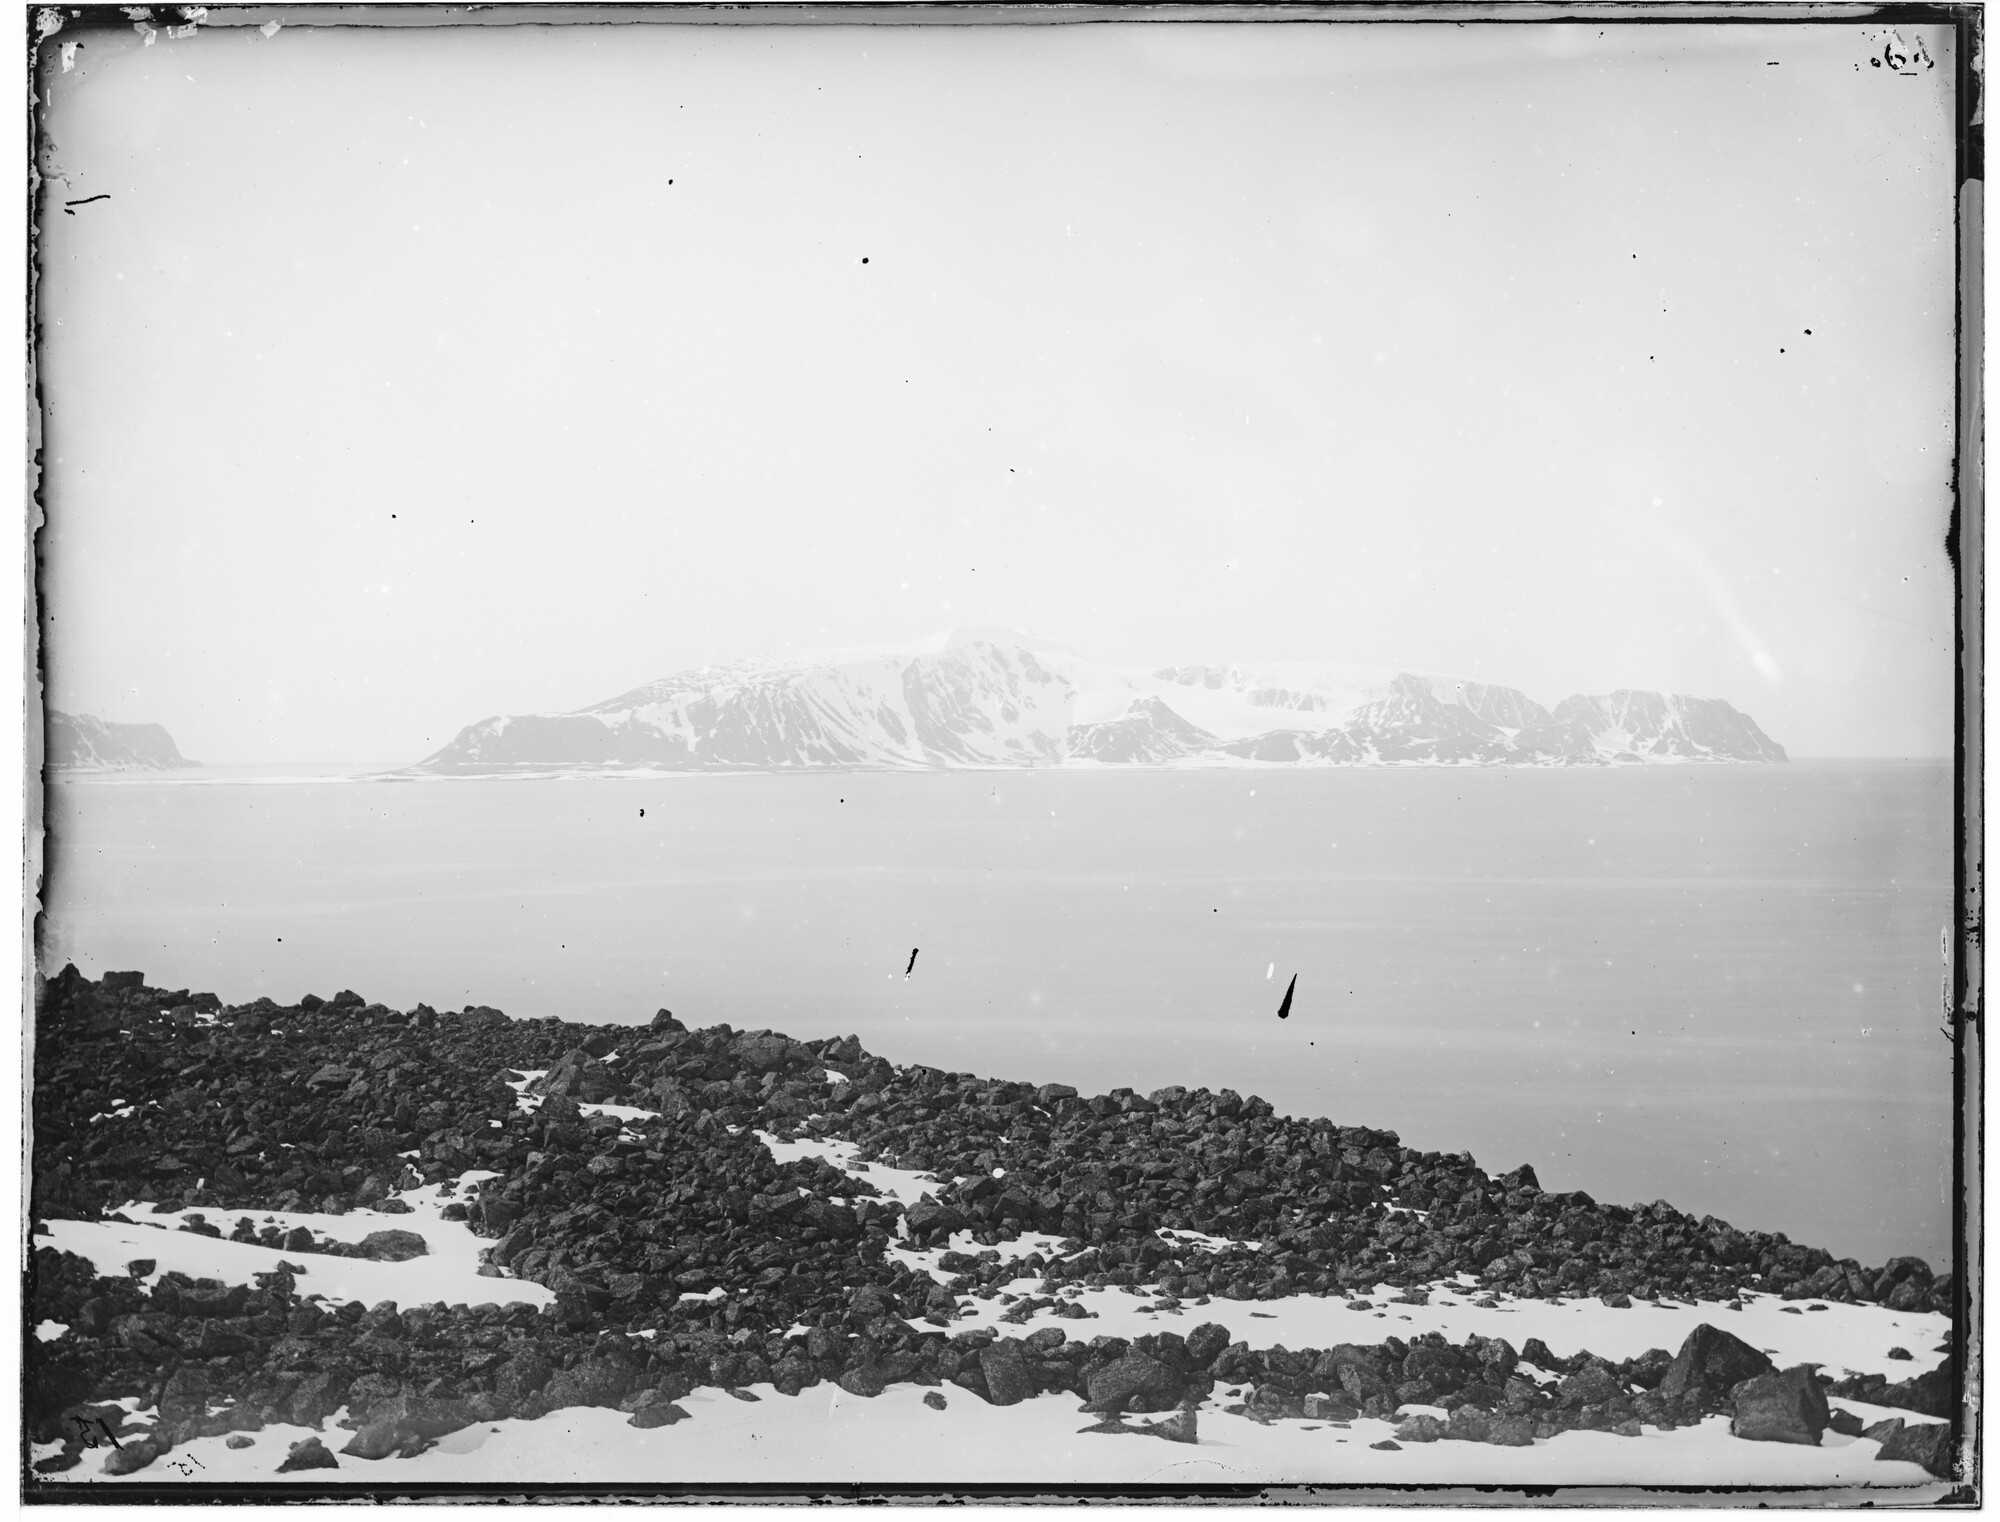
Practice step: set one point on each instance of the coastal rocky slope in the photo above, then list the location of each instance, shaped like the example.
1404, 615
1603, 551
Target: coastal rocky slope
83, 742
655, 1209
990, 698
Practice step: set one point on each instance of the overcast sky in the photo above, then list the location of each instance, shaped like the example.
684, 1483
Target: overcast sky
412, 376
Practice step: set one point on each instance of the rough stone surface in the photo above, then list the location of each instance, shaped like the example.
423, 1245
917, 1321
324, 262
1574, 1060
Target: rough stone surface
1787, 1407
634, 1223
308, 1453
1925, 1443
394, 1245
1709, 1363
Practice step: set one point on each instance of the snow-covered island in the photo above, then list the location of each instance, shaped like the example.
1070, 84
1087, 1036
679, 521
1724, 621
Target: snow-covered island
84, 742
992, 698
340, 1245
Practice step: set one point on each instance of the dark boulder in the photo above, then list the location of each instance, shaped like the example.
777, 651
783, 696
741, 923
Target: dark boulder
870, 1300
1119, 1382
130, 1458
1591, 1385
1709, 1364
374, 1440
660, 1414
578, 1075
598, 1380
394, 1246
1008, 1379
1786, 1407
1205, 1342
864, 1380
402, 1420
1928, 1394
1925, 1443
763, 1053
317, 1397
308, 1453
927, 1219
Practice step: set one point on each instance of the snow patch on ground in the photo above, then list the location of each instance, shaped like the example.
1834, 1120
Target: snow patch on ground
964, 1242
528, 1103
828, 1436
1845, 1339
1203, 1240
448, 1272
897, 1183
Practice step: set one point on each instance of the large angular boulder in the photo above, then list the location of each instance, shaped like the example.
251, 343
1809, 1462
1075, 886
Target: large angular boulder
1786, 1407
577, 1075
403, 1420
317, 1397
1008, 1380
526, 1370
1591, 1385
763, 1053
1897, 1272
184, 1397
598, 1380
864, 1380
1206, 1342
871, 1300
1929, 1394
308, 1453
1117, 1383
1925, 1443
927, 1218
660, 1414
1710, 1363
394, 1245
130, 1458
1421, 1429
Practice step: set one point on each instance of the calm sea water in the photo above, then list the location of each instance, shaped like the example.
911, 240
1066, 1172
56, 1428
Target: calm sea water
1716, 986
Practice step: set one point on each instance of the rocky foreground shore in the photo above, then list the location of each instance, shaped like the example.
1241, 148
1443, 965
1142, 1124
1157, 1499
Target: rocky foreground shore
679, 1253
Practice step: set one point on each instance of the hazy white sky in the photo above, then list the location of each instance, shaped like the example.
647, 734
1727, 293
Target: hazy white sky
411, 376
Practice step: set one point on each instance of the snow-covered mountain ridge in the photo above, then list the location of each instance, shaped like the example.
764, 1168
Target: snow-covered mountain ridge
991, 698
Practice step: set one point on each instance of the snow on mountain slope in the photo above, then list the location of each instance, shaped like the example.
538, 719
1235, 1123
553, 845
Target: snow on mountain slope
991, 698
84, 742
1148, 731
1638, 726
